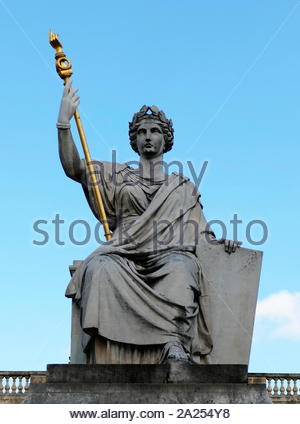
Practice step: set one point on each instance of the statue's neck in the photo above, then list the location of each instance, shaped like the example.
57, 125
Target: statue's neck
152, 168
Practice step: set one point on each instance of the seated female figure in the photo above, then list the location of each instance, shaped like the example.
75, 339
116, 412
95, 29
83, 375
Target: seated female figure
143, 288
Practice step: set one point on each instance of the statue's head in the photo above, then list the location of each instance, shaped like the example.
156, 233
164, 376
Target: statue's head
156, 115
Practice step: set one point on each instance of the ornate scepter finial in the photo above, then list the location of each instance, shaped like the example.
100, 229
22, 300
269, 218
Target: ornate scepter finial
62, 64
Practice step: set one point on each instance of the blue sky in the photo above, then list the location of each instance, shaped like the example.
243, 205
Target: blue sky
227, 73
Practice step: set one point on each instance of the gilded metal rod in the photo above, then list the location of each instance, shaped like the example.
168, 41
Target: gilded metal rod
64, 70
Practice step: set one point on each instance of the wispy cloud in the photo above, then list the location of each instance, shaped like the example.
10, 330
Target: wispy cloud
282, 311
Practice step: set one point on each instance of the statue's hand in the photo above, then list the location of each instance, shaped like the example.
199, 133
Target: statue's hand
230, 246
69, 103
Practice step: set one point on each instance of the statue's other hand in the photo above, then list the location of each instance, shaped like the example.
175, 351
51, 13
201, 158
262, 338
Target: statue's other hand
230, 246
68, 104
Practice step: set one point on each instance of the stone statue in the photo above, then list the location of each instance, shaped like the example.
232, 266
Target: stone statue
145, 287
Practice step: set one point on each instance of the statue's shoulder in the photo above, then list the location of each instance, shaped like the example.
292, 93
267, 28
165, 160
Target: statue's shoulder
188, 184
181, 177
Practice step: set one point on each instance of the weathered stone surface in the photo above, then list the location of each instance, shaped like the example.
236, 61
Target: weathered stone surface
119, 393
12, 399
173, 372
170, 383
232, 298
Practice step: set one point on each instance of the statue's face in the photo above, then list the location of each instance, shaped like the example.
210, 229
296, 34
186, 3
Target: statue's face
150, 139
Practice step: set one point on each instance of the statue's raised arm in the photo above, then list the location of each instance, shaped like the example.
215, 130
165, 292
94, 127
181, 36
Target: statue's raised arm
73, 166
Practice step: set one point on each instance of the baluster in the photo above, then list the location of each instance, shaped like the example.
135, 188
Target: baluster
269, 388
20, 386
14, 387
282, 388
27, 378
295, 388
288, 389
1, 385
7, 386
275, 387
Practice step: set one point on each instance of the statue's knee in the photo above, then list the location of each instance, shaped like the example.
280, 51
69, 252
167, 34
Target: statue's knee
179, 261
99, 267
182, 264
105, 266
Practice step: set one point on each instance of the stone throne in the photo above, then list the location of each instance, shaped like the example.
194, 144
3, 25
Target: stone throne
231, 302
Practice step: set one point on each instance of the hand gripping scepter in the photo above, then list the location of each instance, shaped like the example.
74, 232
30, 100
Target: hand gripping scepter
64, 70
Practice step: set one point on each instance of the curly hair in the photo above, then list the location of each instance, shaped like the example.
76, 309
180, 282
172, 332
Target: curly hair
160, 118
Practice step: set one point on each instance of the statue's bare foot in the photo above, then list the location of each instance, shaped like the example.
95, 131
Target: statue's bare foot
177, 352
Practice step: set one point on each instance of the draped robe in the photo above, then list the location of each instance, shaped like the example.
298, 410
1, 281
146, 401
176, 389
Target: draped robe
145, 286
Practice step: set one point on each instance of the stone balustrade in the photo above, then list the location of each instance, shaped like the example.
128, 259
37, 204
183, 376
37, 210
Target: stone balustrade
14, 385
282, 388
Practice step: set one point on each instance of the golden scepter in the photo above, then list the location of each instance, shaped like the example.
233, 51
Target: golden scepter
64, 70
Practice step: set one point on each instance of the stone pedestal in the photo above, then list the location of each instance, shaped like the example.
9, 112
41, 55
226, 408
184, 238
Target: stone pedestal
175, 382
